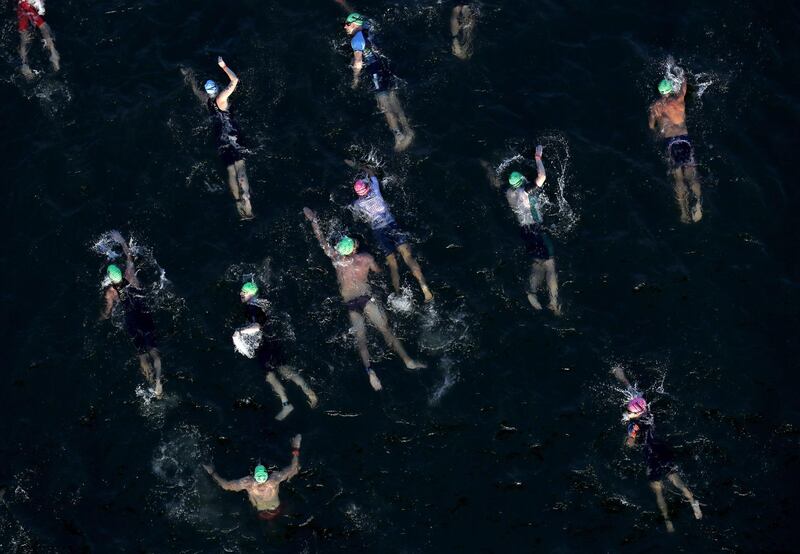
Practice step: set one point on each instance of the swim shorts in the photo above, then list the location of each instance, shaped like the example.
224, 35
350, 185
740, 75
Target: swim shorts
389, 238
230, 154
680, 151
270, 354
269, 515
141, 329
27, 15
381, 76
658, 459
358, 303
537, 244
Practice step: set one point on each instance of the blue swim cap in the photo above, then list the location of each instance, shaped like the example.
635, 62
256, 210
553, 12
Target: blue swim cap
212, 88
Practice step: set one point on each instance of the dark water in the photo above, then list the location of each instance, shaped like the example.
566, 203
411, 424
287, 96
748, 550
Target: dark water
524, 451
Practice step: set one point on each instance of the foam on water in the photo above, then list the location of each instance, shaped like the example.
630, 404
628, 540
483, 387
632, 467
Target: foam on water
450, 377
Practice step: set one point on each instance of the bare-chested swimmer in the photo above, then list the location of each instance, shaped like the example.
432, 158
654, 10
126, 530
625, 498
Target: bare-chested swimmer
352, 272
261, 487
657, 453
668, 119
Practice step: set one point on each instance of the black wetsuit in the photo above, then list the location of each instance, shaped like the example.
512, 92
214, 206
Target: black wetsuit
658, 456
138, 321
228, 133
270, 351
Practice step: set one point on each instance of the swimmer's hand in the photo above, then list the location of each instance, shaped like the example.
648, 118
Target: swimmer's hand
186, 72
209, 468
220, 62
538, 154
351, 163
296, 441
310, 215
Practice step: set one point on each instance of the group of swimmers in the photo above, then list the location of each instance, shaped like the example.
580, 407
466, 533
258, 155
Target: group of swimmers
353, 268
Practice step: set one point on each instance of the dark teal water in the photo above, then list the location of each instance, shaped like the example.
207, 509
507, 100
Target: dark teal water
523, 452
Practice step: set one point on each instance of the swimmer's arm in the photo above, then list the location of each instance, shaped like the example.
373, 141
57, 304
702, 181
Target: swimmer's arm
189, 79
345, 6
358, 63
541, 176
651, 122
682, 93
233, 486
111, 299
223, 96
130, 269
374, 267
312, 217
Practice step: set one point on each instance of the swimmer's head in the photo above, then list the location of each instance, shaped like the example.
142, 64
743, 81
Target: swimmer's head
114, 273
249, 290
516, 179
361, 187
212, 88
665, 87
637, 405
260, 474
346, 246
353, 22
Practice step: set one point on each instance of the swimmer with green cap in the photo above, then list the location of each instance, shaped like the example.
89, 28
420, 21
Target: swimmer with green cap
352, 272
269, 351
523, 198
668, 119
122, 288
262, 488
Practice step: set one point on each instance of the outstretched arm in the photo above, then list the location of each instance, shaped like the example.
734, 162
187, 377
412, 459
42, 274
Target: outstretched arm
373, 266
651, 120
682, 93
190, 79
490, 174
358, 64
233, 486
223, 96
370, 170
541, 176
345, 6
312, 217
294, 467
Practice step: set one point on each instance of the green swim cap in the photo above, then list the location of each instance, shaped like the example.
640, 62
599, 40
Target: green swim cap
515, 179
260, 474
665, 86
250, 288
346, 246
114, 273
355, 18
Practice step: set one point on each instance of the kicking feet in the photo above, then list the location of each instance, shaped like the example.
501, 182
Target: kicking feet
697, 212
427, 293
413, 364
696, 509
374, 381
285, 411
534, 301
26, 71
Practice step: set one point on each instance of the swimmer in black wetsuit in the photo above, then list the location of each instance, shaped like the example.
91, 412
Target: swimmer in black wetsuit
269, 353
523, 198
229, 135
367, 57
657, 453
462, 29
30, 13
127, 291
352, 271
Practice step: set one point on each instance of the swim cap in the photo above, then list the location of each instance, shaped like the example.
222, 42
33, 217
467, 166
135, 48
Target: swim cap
114, 273
260, 474
665, 87
212, 88
345, 246
250, 288
637, 405
356, 18
515, 179
361, 187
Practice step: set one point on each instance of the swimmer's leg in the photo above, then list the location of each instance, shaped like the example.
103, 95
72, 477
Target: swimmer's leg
385, 106
552, 286
690, 172
536, 278
408, 132
280, 392
287, 372
147, 368
376, 316
24, 47
467, 30
678, 482
681, 194
233, 184
244, 188
357, 321
455, 30
391, 261
658, 489
50, 43
405, 251
155, 356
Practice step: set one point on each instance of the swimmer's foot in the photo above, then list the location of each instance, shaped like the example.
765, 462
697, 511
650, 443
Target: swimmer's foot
697, 212
285, 411
618, 372
312, 398
427, 293
458, 51
373, 380
158, 389
26, 71
670, 527
409, 137
413, 364
696, 509
555, 307
534, 301
685, 217
55, 60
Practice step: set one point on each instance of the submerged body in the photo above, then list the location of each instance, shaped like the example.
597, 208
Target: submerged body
30, 14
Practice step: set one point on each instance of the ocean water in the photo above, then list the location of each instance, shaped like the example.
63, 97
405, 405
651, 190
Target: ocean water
510, 441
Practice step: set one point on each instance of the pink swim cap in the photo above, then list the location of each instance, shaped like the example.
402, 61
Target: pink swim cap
637, 405
361, 187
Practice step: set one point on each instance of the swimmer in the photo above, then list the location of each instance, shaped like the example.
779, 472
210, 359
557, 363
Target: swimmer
229, 135
31, 12
524, 201
657, 454
352, 271
270, 353
368, 58
124, 288
371, 208
262, 487
668, 118
462, 30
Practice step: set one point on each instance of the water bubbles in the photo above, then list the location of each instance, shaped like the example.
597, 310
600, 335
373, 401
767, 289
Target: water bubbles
403, 302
